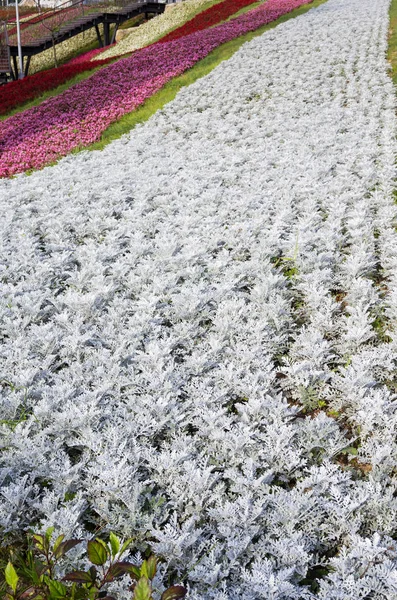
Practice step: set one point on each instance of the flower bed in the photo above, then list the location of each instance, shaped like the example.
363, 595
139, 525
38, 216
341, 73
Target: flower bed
188, 344
207, 18
8, 14
45, 60
18, 92
174, 16
78, 116
87, 56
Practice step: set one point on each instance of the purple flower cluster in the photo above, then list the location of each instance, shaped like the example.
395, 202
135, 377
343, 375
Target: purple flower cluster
78, 116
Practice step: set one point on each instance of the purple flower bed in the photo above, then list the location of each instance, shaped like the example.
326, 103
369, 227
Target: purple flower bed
78, 116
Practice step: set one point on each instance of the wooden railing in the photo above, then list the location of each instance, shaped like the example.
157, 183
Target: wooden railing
5, 63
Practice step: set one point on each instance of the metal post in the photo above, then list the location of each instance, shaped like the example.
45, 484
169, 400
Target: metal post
26, 68
116, 26
98, 35
19, 41
106, 33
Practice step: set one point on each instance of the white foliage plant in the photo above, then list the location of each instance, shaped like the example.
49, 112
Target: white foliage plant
198, 324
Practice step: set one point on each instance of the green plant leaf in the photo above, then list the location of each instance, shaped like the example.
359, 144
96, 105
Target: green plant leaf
119, 568
32, 568
57, 542
125, 545
143, 589
38, 541
175, 592
104, 544
64, 547
48, 534
78, 577
151, 566
114, 572
11, 576
57, 590
97, 552
114, 543
144, 572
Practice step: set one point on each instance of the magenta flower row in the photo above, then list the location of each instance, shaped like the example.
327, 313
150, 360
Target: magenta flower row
88, 55
78, 116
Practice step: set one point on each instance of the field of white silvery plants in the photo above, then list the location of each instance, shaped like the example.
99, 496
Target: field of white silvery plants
198, 324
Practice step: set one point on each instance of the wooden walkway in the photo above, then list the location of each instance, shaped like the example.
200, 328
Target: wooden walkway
118, 15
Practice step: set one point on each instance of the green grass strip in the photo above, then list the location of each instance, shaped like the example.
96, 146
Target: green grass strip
392, 51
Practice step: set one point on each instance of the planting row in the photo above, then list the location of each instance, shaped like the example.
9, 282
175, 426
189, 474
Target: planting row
45, 60
174, 16
8, 13
199, 325
29, 88
207, 18
78, 116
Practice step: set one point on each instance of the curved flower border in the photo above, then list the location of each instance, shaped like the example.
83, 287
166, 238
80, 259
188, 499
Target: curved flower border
78, 116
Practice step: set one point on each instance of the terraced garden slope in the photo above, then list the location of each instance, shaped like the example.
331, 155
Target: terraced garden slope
199, 325
78, 116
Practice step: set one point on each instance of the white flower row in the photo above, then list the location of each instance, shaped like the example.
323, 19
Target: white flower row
174, 16
177, 309
45, 60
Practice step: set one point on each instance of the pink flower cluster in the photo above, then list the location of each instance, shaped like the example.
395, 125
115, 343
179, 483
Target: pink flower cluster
78, 116
87, 56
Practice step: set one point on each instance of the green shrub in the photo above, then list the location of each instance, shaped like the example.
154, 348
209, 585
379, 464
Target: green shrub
31, 572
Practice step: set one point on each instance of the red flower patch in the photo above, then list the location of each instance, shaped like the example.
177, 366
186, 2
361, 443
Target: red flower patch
207, 18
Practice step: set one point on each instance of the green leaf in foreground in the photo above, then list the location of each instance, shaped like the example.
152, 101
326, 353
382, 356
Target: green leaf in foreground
78, 577
114, 543
175, 592
57, 590
143, 590
11, 577
97, 553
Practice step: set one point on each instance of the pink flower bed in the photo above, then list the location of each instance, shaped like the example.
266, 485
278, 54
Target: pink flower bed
87, 56
78, 116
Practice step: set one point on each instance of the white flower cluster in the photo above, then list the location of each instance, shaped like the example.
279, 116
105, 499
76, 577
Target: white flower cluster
45, 60
198, 324
174, 16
